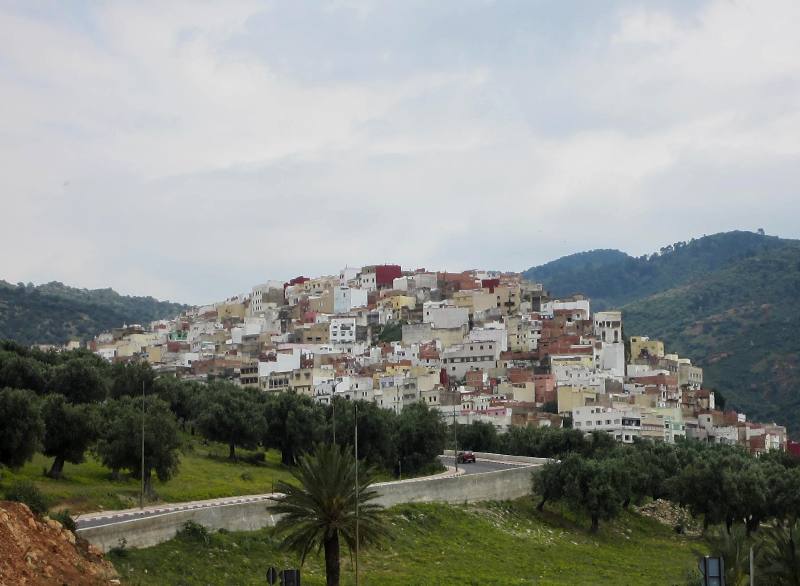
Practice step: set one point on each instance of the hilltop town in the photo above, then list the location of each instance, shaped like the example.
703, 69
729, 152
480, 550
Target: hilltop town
476, 345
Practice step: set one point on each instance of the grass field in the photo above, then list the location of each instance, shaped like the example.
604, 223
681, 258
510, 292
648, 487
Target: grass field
497, 543
204, 473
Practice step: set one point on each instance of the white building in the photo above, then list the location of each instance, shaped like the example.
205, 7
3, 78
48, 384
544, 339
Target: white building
623, 424
579, 306
262, 295
348, 274
460, 359
440, 315
346, 298
342, 331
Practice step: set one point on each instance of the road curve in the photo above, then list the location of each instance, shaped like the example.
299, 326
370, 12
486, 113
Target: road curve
113, 517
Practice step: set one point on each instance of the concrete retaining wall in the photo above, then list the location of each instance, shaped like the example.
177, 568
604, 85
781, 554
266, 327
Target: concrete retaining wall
505, 458
146, 532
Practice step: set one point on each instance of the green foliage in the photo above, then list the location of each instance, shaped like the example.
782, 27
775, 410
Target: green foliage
21, 426
79, 380
778, 558
26, 492
232, 415
205, 473
54, 313
193, 532
734, 547
120, 443
131, 379
377, 437
392, 332
294, 424
321, 509
69, 431
479, 436
65, 519
183, 397
22, 372
612, 278
420, 436
488, 543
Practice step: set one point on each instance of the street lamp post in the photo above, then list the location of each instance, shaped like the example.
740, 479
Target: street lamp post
141, 494
455, 439
355, 433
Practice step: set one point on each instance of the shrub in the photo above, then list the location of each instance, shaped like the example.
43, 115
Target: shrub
255, 458
121, 549
65, 519
24, 491
195, 532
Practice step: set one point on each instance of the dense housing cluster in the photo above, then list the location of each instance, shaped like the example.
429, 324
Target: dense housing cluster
476, 345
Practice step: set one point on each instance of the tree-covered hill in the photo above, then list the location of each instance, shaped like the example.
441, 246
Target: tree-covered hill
612, 278
728, 301
54, 313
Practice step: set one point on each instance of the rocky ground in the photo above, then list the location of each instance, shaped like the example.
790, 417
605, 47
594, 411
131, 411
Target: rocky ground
672, 515
40, 551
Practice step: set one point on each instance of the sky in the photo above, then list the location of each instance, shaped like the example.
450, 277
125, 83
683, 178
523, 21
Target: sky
190, 150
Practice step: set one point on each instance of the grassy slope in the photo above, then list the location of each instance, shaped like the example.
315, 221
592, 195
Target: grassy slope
497, 543
204, 473
54, 313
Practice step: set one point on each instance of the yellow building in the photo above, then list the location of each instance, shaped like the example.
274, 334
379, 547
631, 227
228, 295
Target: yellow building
321, 303
135, 343
570, 397
580, 360
639, 344
229, 310
398, 302
155, 354
474, 301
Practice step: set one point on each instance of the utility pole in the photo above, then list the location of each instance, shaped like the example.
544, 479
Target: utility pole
141, 494
752, 568
455, 439
355, 423
333, 416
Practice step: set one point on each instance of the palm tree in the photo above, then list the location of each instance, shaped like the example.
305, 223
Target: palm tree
734, 548
322, 509
779, 554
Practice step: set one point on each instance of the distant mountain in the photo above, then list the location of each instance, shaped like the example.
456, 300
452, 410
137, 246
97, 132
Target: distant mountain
612, 278
55, 313
730, 301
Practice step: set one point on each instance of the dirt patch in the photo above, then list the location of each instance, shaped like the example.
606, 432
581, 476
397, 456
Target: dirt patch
40, 551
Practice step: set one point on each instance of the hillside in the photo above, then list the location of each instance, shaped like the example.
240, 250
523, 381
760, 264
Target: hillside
492, 543
55, 313
612, 278
741, 324
728, 301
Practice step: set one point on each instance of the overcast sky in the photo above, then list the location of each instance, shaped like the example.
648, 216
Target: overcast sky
191, 150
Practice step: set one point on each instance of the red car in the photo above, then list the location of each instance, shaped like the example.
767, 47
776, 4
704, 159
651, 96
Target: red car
465, 458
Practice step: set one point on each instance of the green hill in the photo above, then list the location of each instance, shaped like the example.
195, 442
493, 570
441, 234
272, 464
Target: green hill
612, 278
55, 313
491, 543
728, 301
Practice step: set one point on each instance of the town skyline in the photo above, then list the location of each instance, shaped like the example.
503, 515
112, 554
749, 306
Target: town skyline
174, 152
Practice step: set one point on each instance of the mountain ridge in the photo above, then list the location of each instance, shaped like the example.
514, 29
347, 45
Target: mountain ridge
54, 313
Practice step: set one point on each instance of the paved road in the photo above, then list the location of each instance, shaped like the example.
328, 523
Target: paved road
112, 517
480, 465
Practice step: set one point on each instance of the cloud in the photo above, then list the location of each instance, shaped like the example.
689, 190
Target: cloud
190, 150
